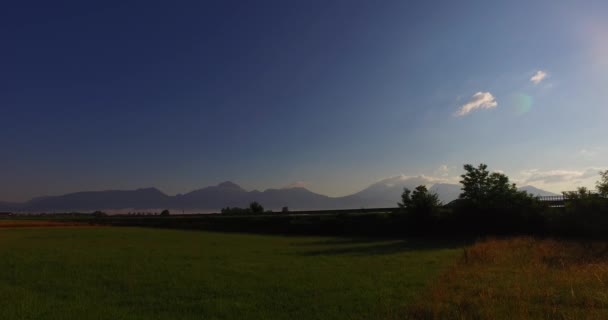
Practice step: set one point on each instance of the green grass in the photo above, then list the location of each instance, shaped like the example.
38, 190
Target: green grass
136, 273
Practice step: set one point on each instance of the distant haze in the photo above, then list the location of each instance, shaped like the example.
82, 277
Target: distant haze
385, 193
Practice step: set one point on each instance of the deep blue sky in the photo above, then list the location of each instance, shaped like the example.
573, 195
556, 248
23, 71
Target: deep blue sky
331, 94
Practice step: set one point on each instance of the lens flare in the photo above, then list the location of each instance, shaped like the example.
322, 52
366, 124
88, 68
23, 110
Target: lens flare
521, 103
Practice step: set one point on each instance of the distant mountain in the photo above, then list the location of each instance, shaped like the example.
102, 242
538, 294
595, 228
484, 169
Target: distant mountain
447, 192
384, 193
9, 206
97, 200
296, 199
230, 194
537, 192
214, 197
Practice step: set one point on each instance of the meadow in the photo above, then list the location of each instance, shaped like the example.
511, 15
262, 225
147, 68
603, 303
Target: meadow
137, 273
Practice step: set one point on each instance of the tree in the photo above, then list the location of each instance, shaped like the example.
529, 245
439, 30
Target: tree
421, 200
99, 214
165, 213
487, 189
285, 210
581, 193
420, 207
490, 203
602, 184
255, 207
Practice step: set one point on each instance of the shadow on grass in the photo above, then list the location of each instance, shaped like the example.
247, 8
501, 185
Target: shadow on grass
343, 241
360, 246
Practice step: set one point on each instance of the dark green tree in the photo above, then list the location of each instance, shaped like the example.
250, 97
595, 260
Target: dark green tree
602, 184
255, 207
419, 207
165, 213
489, 202
421, 200
488, 189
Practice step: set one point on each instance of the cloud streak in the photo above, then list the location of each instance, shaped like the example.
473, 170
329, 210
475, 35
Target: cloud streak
538, 77
297, 184
480, 100
559, 176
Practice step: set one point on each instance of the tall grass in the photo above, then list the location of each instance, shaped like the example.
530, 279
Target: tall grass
521, 278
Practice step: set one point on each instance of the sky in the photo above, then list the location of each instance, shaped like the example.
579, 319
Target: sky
330, 95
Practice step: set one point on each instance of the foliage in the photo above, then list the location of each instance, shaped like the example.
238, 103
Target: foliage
581, 194
585, 213
486, 189
419, 200
165, 212
420, 205
255, 207
235, 210
490, 203
285, 210
99, 214
602, 184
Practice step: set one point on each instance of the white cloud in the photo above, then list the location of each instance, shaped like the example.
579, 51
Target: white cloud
297, 184
416, 180
538, 77
442, 171
480, 100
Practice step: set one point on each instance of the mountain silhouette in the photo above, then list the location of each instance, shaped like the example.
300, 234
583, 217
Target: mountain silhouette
384, 193
537, 192
97, 200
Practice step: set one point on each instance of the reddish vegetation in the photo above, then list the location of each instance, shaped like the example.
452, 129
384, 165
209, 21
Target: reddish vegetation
521, 278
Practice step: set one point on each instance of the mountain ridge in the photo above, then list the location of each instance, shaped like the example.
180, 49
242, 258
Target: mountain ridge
383, 193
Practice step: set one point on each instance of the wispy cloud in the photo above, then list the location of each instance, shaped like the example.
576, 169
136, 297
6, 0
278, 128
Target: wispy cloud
411, 180
442, 171
587, 153
558, 176
297, 184
539, 76
480, 100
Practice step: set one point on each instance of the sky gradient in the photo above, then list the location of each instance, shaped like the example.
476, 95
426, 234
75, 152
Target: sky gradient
331, 95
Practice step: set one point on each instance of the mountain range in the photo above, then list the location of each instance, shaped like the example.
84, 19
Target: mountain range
384, 193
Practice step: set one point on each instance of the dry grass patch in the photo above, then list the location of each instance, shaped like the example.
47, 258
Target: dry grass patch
521, 278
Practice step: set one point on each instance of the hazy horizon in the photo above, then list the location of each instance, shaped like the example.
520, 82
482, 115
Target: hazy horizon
329, 95
431, 181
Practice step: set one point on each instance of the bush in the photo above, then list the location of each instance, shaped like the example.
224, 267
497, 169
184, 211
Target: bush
585, 214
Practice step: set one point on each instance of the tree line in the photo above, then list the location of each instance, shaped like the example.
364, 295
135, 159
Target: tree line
490, 203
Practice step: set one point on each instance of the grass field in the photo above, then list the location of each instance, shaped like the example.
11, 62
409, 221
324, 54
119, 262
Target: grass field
521, 278
136, 273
